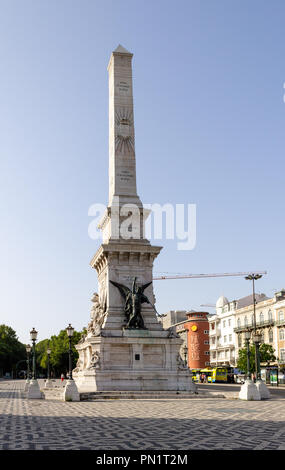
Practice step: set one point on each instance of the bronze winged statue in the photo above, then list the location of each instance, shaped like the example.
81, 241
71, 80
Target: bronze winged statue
133, 297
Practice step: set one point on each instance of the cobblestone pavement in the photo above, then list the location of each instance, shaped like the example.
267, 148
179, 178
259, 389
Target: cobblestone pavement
184, 424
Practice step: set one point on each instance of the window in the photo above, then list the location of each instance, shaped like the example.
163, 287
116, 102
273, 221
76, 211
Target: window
206, 332
214, 355
238, 322
213, 340
224, 324
212, 326
207, 363
225, 339
206, 341
270, 336
270, 318
281, 333
229, 322
230, 338
261, 317
239, 341
207, 353
282, 354
252, 320
245, 321
281, 316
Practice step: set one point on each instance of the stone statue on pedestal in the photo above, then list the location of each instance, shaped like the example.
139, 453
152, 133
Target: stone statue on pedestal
98, 312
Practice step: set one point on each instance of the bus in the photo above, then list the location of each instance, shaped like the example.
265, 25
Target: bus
215, 375
195, 375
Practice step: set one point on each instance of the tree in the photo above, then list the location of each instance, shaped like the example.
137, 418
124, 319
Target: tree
11, 350
59, 357
266, 354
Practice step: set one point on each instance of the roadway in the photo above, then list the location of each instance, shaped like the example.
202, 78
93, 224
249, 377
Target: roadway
276, 392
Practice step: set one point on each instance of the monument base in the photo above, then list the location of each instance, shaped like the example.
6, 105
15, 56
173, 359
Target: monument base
125, 380
139, 360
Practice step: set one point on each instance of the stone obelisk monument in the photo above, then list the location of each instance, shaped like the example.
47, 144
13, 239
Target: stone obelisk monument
126, 347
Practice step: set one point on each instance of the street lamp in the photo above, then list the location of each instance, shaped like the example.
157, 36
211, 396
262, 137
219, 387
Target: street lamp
28, 351
247, 336
257, 338
70, 331
34, 335
48, 369
34, 389
48, 381
70, 392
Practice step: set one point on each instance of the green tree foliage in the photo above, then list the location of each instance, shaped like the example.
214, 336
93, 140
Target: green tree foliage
266, 354
11, 350
59, 357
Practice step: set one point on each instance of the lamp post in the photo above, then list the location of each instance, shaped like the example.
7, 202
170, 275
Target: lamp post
257, 338
70, 392
34, 335
48, 381
247, 339
34, 389
70, 331
28, 351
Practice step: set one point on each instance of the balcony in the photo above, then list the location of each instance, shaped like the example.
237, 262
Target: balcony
262, 324
216, 332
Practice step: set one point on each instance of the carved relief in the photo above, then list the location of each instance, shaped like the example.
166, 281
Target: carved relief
181, 364
95, 361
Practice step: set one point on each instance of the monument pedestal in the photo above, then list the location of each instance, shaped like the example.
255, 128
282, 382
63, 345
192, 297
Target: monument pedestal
138, 360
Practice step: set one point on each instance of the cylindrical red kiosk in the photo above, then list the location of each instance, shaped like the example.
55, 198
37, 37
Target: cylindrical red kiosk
197, 327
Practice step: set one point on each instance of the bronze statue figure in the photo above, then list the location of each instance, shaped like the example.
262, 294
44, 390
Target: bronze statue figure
133, 297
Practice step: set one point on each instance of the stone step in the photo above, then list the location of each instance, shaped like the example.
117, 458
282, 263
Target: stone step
123, 395
57, 394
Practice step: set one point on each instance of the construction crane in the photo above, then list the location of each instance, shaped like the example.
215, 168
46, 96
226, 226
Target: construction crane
191, 276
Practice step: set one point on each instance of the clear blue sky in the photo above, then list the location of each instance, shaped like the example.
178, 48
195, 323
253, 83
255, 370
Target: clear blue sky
209, 119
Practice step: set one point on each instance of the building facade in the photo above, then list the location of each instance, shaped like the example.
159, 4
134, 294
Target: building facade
221, 333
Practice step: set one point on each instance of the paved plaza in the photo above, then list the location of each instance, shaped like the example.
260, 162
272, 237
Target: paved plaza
177, 424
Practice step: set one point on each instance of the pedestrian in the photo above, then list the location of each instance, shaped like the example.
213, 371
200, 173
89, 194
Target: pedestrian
62, 377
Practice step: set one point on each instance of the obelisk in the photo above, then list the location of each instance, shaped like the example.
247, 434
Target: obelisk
126, 348
122, 162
